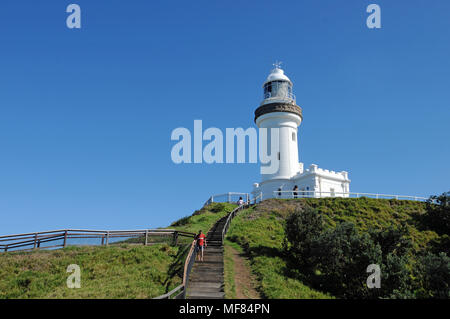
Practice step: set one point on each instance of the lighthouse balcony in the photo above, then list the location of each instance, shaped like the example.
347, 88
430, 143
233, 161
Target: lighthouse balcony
288, 97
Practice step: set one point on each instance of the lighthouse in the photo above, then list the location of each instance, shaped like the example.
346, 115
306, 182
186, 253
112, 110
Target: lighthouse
279, 110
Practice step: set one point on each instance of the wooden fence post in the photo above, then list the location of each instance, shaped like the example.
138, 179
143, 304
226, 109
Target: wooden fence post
175, 238
107, 238
146, 237
65, 239
35, 240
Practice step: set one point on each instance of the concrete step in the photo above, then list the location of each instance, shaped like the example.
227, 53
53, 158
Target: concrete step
210, 279
206, 273
216, 276
206, 279
209, 264
206, 284
211, 295
199, 291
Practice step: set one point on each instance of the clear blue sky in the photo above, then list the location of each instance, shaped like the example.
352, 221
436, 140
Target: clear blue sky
86, 115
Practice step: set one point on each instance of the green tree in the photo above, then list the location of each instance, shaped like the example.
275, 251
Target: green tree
438, 213
302, 229
343, 256
435, 272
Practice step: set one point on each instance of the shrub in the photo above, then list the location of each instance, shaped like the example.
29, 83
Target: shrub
217, 207
395, 277
336, 259
392, 240
343, 257
181, 221
435, 273
302, 231
438, 213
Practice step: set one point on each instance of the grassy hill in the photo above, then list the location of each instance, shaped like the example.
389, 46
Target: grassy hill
260, 232
125, 271
116, 271
128, 270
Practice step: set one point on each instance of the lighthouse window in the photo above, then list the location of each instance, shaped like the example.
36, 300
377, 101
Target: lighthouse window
267, 90
279, 157
293, 136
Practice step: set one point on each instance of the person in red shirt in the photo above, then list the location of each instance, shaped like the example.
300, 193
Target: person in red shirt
201, 244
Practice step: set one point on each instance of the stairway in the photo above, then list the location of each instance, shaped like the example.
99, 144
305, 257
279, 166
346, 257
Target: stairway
206, 279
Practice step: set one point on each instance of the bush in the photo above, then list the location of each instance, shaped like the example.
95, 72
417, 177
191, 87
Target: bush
438, 213
181, 222
396, 277
435, 273
336, 259
343, 257
392, 240
303, 229
217, 207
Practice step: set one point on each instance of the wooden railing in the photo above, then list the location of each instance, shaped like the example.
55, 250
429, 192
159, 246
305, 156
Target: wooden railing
180, 291
230, 217
63, 238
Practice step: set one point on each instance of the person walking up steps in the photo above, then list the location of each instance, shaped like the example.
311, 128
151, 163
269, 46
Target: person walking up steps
201, 244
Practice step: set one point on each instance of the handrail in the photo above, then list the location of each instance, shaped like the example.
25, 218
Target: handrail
170, 293
229, 218
34, 240
320, 194
188, 263
190, 259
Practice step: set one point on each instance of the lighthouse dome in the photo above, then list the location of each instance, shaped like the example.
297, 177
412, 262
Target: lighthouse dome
277, 74
278, 87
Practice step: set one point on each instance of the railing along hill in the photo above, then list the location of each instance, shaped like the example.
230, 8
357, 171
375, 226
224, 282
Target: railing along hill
82, 237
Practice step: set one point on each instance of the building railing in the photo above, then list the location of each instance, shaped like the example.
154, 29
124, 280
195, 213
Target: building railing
229, 197
319, 194
285, 96
82, 237
257, 199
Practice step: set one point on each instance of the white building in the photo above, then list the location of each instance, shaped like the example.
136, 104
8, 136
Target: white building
279, 110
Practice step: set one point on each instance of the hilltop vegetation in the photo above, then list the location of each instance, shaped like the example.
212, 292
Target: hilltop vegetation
318, 248
204, 218
301, 248
124, 271
120, 270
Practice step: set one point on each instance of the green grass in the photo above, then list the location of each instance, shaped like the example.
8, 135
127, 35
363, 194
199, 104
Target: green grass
230, 286
260, 232
125, 271
120, 270
261, 237
204, 218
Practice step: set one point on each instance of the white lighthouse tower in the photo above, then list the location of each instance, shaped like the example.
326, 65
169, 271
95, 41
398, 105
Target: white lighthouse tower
279, 110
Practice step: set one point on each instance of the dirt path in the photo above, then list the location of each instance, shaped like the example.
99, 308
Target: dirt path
243, 279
